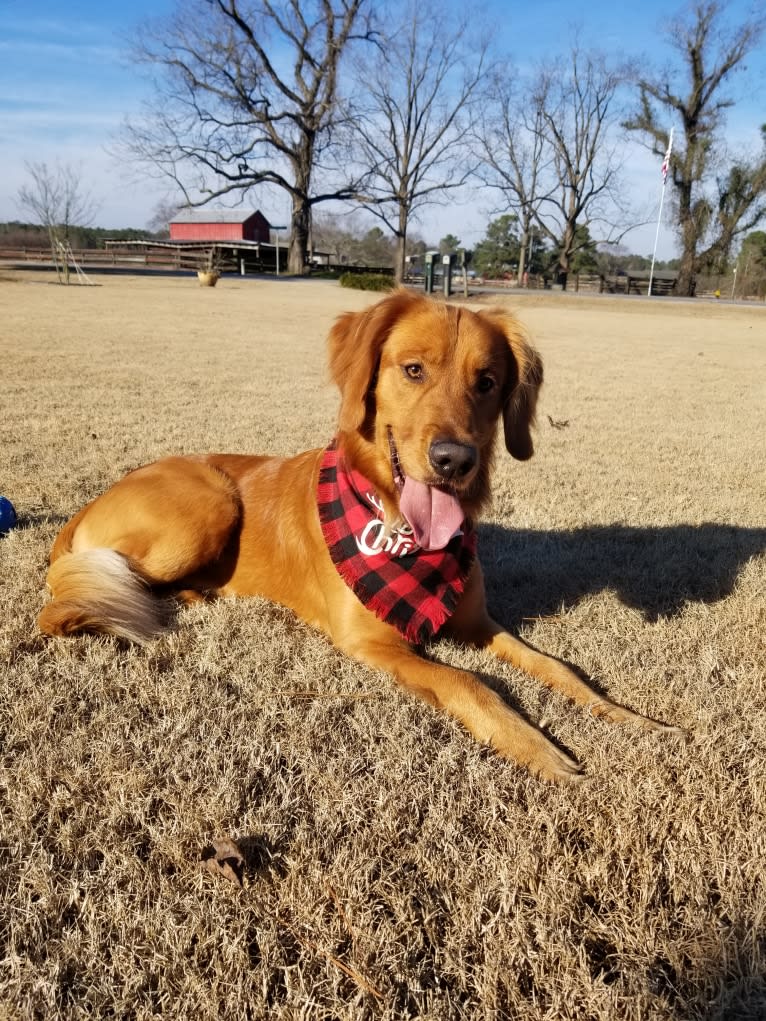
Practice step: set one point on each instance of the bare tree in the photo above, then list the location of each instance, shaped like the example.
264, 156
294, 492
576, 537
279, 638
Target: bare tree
247, 94
516, 161
411, 135
750, 269
335, 234
740, 206
694, 97
549, 146
56, 199
162, 216
349, 238
577, 114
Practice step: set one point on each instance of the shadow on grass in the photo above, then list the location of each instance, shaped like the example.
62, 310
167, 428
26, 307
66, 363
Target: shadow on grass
41, 518
655, 570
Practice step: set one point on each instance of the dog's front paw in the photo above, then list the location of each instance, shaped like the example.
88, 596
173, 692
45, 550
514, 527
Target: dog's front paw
614, 713
553, 765
529, 747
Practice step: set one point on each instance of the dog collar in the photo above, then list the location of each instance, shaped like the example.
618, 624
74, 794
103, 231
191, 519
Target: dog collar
414, 590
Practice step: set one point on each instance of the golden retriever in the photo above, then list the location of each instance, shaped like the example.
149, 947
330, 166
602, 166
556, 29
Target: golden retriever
371, 540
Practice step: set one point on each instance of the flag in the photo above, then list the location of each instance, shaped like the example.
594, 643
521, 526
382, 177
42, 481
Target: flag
666, 161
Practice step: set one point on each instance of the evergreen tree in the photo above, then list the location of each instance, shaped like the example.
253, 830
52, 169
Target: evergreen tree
498, 253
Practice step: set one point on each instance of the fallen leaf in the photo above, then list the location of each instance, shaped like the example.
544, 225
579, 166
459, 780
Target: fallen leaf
226, 860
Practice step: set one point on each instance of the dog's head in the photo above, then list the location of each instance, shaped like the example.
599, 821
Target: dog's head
423, 386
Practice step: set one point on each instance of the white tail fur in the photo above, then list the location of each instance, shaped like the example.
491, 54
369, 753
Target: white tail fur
96, 590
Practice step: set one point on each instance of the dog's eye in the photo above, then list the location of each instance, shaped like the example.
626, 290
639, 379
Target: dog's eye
414, 370
485, 384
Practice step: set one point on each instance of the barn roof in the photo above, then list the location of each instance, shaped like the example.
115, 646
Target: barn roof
214, 215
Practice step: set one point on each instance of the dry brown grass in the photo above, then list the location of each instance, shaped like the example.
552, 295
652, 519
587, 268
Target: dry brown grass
393, 869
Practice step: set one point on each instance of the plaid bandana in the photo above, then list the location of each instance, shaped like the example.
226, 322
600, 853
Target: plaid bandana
413, 589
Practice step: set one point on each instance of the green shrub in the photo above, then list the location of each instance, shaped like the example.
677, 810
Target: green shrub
367, 281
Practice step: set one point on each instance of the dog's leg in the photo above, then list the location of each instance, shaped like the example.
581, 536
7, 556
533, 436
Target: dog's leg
555, 675
472, 624
463, 695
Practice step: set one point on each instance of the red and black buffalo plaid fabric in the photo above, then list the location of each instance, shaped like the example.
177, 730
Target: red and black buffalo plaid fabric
413, 589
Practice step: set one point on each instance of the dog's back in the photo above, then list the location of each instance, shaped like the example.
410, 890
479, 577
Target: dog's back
223, 524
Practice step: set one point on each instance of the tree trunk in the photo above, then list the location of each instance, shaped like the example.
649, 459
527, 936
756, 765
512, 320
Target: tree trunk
566, 248
300, 230
686, 284
562, 270
400, 265
54, 252
522, 257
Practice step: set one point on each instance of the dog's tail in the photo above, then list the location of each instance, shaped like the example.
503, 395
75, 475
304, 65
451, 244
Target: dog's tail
96, 590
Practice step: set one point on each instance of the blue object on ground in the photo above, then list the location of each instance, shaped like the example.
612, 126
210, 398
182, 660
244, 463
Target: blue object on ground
7, 515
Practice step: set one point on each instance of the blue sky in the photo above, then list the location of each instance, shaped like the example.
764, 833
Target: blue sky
66, 85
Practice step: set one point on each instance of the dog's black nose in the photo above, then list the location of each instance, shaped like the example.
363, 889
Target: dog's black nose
452, 460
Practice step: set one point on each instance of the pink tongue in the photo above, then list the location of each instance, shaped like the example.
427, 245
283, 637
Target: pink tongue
433, 515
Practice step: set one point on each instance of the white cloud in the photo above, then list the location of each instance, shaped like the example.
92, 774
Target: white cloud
73, 53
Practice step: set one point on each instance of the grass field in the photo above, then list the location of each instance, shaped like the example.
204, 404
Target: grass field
392, 867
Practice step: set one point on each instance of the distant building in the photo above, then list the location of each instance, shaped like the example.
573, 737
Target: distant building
219, 225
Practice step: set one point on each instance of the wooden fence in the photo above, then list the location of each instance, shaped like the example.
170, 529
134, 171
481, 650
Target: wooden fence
263, 259
170, 258
98, 258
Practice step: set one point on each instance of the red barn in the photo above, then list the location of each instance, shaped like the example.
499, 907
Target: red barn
219, 225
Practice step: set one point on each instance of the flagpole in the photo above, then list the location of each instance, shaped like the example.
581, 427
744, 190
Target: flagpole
665, 167
656, 238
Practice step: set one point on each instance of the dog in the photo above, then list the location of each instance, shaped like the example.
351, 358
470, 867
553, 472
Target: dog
371, 539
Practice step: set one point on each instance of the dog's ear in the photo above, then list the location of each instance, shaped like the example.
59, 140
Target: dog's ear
525, 377
355, 343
